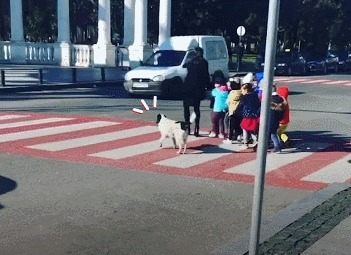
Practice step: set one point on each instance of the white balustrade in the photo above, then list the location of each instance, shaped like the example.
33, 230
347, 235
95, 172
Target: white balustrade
40, 53
5, 55
81, 55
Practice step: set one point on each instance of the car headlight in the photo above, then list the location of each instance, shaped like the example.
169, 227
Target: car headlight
281, 64
159, 78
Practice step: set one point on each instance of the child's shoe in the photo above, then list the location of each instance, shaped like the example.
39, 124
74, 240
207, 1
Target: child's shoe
227, 141
212, 134
277, 151
221, 136
254, 143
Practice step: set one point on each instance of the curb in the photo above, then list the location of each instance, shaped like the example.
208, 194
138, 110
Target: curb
15, 89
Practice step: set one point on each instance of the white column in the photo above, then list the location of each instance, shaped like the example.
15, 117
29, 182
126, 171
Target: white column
128, 29
62, 49
63, 27
16, 21
104, 50
18, 47
140, 50
140, 28
164, 31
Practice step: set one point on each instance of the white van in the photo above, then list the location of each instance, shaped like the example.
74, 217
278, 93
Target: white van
164, 72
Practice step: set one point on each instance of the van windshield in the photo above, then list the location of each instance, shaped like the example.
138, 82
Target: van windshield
165, 58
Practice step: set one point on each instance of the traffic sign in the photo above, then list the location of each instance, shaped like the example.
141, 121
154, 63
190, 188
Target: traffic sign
240, 30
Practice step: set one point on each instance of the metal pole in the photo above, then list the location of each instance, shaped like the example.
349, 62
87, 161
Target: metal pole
271, 44
103, 77
40, 76
74, 75
2, 77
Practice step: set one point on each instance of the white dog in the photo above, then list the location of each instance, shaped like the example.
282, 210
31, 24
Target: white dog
176, 130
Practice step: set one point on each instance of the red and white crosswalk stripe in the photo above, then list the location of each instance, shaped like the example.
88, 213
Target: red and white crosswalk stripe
302, 80
130, 144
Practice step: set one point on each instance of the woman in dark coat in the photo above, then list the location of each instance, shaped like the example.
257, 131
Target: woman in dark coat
195, 85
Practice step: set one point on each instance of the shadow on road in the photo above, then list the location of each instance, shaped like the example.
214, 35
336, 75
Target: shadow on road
6, 185
340, 143
306, 110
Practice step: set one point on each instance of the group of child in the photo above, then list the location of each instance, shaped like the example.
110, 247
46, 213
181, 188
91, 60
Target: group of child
236, 107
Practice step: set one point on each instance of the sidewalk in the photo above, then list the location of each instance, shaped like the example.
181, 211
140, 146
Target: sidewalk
319, 224
20, 78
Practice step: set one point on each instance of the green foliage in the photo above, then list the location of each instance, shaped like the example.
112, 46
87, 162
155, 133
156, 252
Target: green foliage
313, 24
39, 18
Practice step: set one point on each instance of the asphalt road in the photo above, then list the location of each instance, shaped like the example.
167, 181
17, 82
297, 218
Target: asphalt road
56, 207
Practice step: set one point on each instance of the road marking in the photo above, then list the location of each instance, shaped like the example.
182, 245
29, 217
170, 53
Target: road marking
138, 149
299, 80
10, 117
315, 81
281, 79
337, 82
93, 139
53, 130
338, 171
275, 161
32, 122
207, 153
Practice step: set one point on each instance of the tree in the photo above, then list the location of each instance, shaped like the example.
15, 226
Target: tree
5, 20
39, 18
319, 23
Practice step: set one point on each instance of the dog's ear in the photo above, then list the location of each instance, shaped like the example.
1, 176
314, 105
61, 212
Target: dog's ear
158, 118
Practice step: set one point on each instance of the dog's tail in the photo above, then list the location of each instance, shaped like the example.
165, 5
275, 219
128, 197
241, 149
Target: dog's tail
192, 117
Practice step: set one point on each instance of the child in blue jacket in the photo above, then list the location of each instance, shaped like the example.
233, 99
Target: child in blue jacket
220, 94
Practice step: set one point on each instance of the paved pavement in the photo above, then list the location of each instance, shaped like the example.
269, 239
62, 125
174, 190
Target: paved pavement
318, 224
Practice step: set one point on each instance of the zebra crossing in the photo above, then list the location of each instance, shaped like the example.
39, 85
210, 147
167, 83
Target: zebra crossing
309, 80
134, 145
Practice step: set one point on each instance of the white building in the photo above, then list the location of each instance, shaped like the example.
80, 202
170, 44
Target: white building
103, 53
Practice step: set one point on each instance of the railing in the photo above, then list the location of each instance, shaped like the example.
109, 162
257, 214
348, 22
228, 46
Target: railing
5, 53
81, 55
44, 54
40, 53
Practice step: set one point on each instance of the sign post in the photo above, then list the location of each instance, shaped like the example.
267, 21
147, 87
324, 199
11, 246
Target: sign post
240, 49
240, 31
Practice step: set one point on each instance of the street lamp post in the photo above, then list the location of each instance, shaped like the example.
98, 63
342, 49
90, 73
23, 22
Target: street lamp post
272, 30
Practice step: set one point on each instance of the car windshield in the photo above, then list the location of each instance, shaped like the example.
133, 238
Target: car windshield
165, 58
